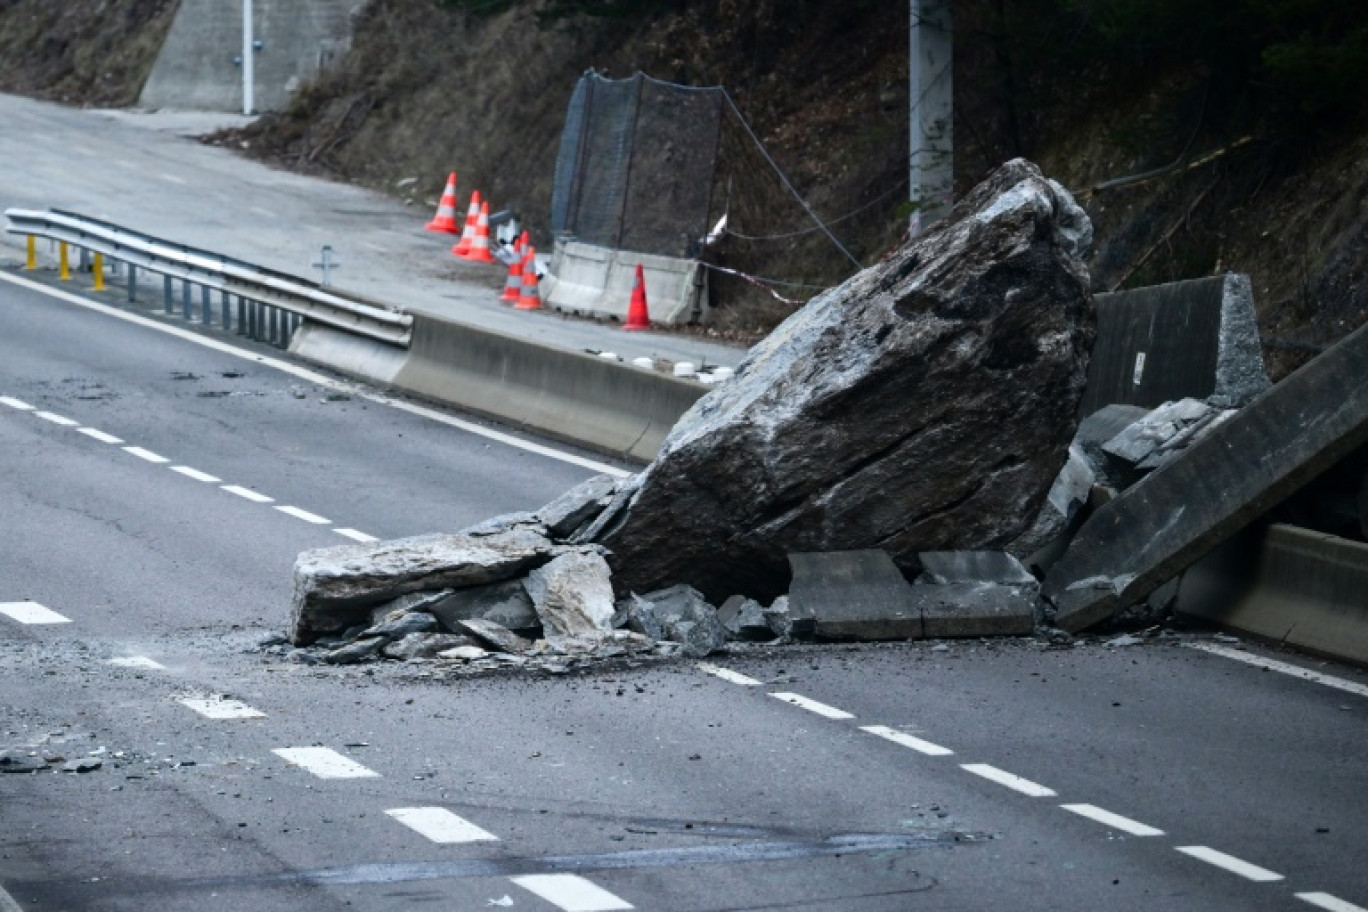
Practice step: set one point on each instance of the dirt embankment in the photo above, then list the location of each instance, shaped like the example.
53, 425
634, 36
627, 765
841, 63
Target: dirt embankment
429, 88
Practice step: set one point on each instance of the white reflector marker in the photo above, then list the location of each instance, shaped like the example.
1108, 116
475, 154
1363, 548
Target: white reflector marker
1115, 821
99, 435
137, 662
1010, 780
217, 708
145, 454
1328, 902
31, 613
820, 709
727, 674
355, 535
247, 493
440, 825
324, 762
304, 515
13, 403
906, 740
1230, 863
571, 892
56, 419
196, 474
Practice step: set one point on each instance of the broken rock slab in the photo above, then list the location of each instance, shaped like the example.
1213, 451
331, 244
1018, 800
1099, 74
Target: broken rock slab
573, 594
423, 645
683, 616
506, 603
859, 595
577, 506
334, 588
927, 403
497, 635
744, 619
1245, 465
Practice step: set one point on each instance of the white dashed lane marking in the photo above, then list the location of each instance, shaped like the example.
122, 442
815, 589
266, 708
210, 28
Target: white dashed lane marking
1230, 863
440, 825
137, 662
13, 403
196, 474
727, 674
247, 493
355, 535
1286, 668
813, 706
56, 419
571, 892
7, 903
215, 708
171, 178
304, 515
145, 454
1010, 780
1115, 821
906, 740
325, 763
1329, 902
32, 613
99, 435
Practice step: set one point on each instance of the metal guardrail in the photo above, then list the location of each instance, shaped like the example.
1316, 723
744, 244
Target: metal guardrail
269, 303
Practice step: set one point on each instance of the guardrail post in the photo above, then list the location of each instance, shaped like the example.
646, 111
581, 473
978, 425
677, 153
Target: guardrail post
226, 313
32, 261
206, 309
185, 299
242, 316
272, 317
167, 295
132, 283
252, 319
63, 262
98, 270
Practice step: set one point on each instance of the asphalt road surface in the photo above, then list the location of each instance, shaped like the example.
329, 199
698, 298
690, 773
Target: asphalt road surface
154, 491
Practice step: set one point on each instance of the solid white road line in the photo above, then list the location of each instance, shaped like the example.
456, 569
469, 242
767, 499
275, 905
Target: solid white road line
355, 535
1329, 902
260, 210
1230, 863
248, 493
1010, 780
324, 762
440, 825
820, 709
314, 377
212, 708
7, 903
304, 515
571, 892
1286, 668
196, 474
137, 662
1115, 821
13, 403
56, 419
145, 454
99, 435
727, 674
32, 613
906, 740
171, 178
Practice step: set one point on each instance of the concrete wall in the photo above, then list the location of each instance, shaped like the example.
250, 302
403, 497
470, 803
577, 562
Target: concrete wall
597, 282
195, 70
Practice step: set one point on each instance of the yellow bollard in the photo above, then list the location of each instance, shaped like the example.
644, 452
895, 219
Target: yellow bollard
98, 269
63, 263
32, 253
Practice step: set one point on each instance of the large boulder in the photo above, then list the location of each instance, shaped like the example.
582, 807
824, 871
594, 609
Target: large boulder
926, 404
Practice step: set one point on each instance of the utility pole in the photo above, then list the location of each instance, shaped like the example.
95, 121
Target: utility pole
931, 116
248, 89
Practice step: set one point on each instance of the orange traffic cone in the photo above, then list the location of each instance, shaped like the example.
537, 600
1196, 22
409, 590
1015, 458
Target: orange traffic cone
638, 315
462, 247
445, 219
479, 250
523, 240
513, 287
530, 297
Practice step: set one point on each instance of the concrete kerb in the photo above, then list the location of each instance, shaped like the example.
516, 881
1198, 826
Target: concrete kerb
596, 281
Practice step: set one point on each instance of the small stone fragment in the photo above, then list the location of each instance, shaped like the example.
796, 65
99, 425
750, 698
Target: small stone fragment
463, 653
496, 635
401, 623
83, 765
353, 653
1122, 641
423, 645
18, 761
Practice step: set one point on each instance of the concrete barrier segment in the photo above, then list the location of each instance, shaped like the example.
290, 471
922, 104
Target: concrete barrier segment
1241, 468
596, 281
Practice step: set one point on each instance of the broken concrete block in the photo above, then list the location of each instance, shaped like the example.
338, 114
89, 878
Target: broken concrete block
744, 619
1064, 506
1242, 467
975, 609
577, 506
942, 567
505, 603
926, 403
423, 645
858, 595
334, 588
573, 594
686, 617
496, 635
782, 622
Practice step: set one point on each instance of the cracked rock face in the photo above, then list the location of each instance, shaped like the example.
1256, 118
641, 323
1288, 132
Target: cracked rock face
927, 404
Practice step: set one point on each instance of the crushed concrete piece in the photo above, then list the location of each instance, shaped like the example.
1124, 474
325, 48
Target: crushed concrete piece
858, 595
496, 635
573, 594
924, 404
401, 623
975, 609
941, 567
683, 605
783, 623
1241, 468
577, 506
505, 603
334, 588
744, 619
463, 653
355, 652
1100, 427
423, 645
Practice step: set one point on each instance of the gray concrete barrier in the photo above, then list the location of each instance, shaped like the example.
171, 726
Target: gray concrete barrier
597, 282
598, 403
